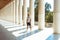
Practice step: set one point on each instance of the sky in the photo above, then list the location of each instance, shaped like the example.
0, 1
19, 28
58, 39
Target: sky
49, 1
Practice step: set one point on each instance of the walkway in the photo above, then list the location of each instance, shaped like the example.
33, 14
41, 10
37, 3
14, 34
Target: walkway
54, 37
14, 32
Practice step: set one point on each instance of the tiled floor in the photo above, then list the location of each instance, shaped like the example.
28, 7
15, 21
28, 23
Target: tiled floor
54, 37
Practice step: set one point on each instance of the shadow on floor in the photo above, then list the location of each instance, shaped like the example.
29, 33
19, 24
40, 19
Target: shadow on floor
54, 37
28, 34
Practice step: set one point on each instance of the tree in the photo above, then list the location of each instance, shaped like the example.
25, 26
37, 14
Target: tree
36, 10
49, 17
48, 13
47, 8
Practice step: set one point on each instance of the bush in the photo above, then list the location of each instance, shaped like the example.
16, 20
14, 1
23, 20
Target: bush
49, 17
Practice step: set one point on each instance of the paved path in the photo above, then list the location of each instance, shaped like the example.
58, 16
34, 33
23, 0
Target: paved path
54, 37
10, 31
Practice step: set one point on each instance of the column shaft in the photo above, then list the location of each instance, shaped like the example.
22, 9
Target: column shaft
17, 11
41, 14
16, 3
20, 11
14, 13
24, 11
31, 10
56, 17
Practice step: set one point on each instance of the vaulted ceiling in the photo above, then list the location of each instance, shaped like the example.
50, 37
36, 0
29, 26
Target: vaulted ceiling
4, 3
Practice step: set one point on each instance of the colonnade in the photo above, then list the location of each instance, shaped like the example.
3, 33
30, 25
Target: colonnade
18, 12
41, 13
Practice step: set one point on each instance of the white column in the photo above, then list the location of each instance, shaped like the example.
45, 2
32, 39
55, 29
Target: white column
16, 3
20, 11
56, 17
41, 14
14, 12
24, 11
31, 11
17, 11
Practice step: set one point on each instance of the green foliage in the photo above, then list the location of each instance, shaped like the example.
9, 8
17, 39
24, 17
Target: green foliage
47, 7
36, 10
49, 17
36, 14
48, 13
36, 3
